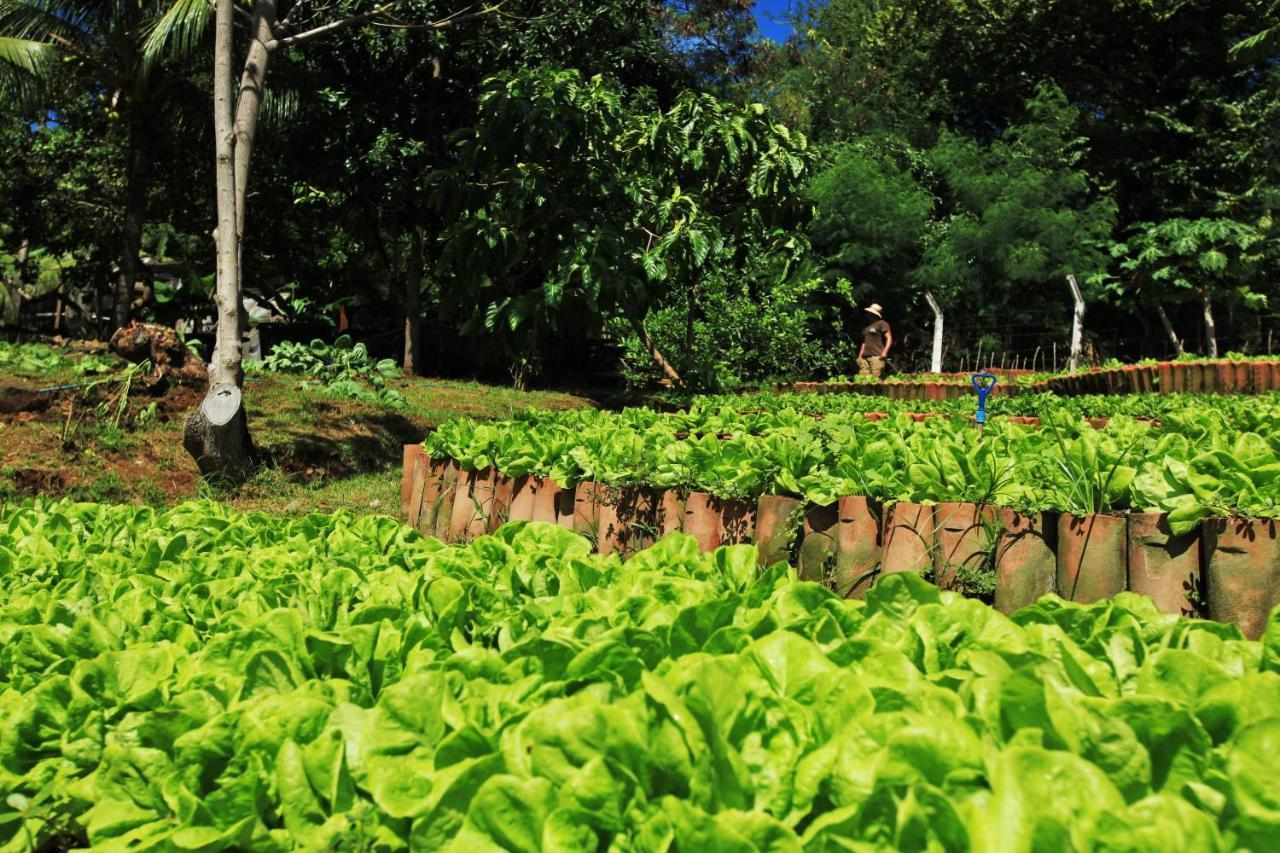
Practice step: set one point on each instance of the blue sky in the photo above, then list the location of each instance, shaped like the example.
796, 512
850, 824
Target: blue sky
766, 9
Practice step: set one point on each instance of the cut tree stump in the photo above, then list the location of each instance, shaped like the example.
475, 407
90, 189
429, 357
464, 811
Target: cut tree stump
171, 362
217, 436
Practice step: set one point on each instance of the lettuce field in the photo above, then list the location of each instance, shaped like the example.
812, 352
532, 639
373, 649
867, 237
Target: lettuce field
200, 679
1201, 457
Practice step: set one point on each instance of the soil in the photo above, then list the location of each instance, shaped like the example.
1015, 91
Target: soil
338, 452
144, 462
34, 481
16, 397
177, 401
331, 439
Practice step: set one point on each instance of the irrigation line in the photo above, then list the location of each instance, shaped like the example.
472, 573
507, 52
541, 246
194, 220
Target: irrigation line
101, 380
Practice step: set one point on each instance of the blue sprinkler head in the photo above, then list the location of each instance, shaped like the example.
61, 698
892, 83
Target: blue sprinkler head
983, 383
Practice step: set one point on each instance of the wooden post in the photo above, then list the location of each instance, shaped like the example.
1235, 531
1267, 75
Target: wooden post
1077, 323
935, 364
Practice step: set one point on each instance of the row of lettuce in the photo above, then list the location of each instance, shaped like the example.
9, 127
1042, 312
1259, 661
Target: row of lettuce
203, 679
1249, 413
1198, 462
1234, 372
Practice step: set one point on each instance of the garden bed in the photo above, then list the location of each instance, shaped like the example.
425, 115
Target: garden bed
1220, 376
1085, 508
1227, 569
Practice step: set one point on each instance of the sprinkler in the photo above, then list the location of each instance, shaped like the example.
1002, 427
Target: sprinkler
983, 383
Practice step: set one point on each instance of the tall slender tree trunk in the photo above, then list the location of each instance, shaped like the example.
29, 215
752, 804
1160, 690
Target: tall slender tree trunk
135, 199
248, 104
226, 366
668, 370
217, 433
1210, 328
1168, 325
413, 304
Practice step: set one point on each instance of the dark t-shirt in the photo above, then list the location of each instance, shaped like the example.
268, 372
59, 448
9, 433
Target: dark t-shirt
874, 338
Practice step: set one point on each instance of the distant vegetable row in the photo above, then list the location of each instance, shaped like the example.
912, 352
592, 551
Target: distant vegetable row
206, 680
1245, 413
1238, 375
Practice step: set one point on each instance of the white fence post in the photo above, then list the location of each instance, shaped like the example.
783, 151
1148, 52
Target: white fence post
1077, 324
935, 365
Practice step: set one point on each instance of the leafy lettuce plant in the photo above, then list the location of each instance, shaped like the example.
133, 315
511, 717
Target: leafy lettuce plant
342, 369
202, 679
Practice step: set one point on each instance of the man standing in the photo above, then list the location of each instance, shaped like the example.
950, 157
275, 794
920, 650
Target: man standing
877, 340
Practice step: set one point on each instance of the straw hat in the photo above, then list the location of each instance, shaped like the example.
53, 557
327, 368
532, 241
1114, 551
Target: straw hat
874, 308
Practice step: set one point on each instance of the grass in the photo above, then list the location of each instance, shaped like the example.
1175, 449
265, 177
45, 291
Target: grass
323, 453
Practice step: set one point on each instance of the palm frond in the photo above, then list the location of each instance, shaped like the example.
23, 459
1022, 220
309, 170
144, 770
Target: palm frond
178, 32
58, 23
279, 107
22, 65
24, 54
1261, 45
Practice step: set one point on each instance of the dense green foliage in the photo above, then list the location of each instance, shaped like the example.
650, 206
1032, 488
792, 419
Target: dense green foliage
657, 175
570, 205
201, 679
1196, 463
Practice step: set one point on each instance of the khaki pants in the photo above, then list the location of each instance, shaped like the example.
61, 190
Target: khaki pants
872, 365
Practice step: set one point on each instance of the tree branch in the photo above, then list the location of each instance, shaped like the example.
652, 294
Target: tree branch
461, 16
286, 23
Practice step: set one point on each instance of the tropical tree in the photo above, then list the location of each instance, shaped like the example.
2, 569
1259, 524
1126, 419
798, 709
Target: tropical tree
133, 54
570, 205
379, 147
1179, 260
21, 63
717, 40
872, 214
1020, 211
217, 433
